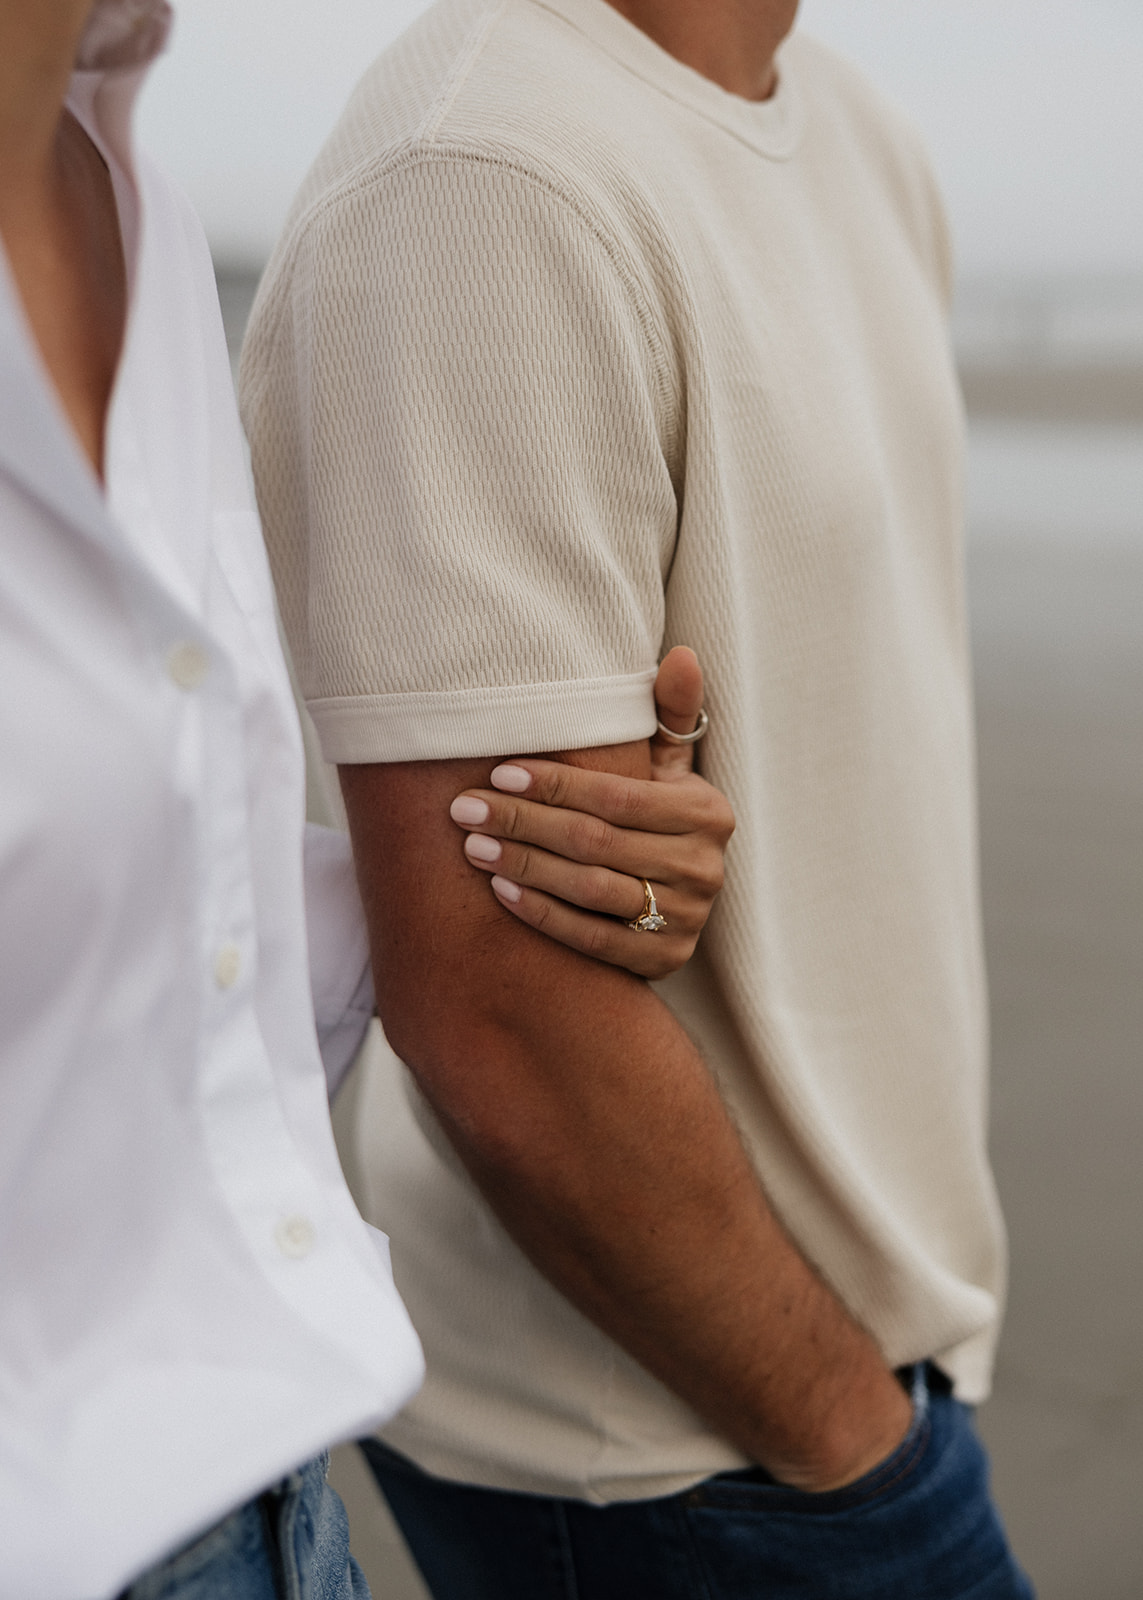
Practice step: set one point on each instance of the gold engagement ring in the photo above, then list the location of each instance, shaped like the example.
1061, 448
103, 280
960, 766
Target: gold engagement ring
649, 919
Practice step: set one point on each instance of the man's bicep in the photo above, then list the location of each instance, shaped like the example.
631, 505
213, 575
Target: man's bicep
489, 501
448, 959
423, 902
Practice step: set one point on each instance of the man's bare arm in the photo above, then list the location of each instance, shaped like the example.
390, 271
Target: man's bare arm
596, 1133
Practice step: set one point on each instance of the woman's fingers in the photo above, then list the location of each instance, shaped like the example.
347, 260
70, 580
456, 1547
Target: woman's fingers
678, 701
691, 857
591, 888
585, 903
567, 848
527, 788
648, 955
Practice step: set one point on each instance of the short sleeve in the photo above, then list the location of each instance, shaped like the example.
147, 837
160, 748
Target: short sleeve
457, 426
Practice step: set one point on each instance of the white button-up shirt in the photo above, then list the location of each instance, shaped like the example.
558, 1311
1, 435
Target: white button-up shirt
190, 1304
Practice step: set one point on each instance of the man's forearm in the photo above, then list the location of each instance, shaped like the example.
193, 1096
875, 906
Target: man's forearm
598, 1136
612, 1162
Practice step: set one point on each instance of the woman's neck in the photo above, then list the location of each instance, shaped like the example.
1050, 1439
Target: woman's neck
38, 43
58, 217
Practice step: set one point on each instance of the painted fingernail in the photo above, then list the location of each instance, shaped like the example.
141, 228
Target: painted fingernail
514, 779
468, 811
507, 890
477, 847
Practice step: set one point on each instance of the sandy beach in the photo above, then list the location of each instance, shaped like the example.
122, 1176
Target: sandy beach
1056, 590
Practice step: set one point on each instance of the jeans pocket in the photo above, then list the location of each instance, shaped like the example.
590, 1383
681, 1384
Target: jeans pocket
922, 1523
755, 1489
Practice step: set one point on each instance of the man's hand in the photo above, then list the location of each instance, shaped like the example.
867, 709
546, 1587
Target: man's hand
568, 847
595, 1132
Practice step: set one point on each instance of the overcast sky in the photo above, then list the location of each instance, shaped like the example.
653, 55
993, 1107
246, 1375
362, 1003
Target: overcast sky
1033, 110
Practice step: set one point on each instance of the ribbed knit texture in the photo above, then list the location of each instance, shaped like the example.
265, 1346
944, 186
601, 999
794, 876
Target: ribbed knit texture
567, 356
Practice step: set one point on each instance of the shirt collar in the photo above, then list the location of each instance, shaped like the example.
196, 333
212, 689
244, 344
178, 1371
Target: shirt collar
36, 447
774, 127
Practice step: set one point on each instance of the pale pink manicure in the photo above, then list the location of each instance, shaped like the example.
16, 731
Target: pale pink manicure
507, 890
468, 811
480, 848
514, 779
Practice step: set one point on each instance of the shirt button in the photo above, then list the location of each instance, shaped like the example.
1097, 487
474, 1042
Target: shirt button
227, 966
295, 1237
187, 665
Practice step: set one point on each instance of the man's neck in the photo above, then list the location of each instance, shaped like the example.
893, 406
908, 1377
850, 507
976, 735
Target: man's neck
731, 42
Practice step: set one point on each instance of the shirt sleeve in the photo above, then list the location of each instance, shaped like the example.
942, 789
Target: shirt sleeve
459, 425
340, 977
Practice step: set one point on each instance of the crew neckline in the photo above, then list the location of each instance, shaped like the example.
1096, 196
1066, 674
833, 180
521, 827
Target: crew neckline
772, 127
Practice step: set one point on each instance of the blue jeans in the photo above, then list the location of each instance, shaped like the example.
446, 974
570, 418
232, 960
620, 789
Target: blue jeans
292, 1543
919, 1527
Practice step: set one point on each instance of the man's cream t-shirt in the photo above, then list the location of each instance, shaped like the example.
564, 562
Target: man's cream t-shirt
566, 356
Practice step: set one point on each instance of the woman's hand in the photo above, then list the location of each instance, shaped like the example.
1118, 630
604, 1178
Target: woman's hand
568, 848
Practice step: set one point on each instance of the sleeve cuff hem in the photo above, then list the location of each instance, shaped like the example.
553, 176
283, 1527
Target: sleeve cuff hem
523, 719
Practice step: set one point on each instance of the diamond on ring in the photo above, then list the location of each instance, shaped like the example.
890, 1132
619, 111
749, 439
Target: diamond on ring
650, 919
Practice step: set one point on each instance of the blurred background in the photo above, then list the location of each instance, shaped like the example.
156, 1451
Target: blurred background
1034, 118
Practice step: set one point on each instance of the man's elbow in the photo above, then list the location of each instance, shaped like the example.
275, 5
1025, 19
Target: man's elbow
469, 1060
419, 1024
